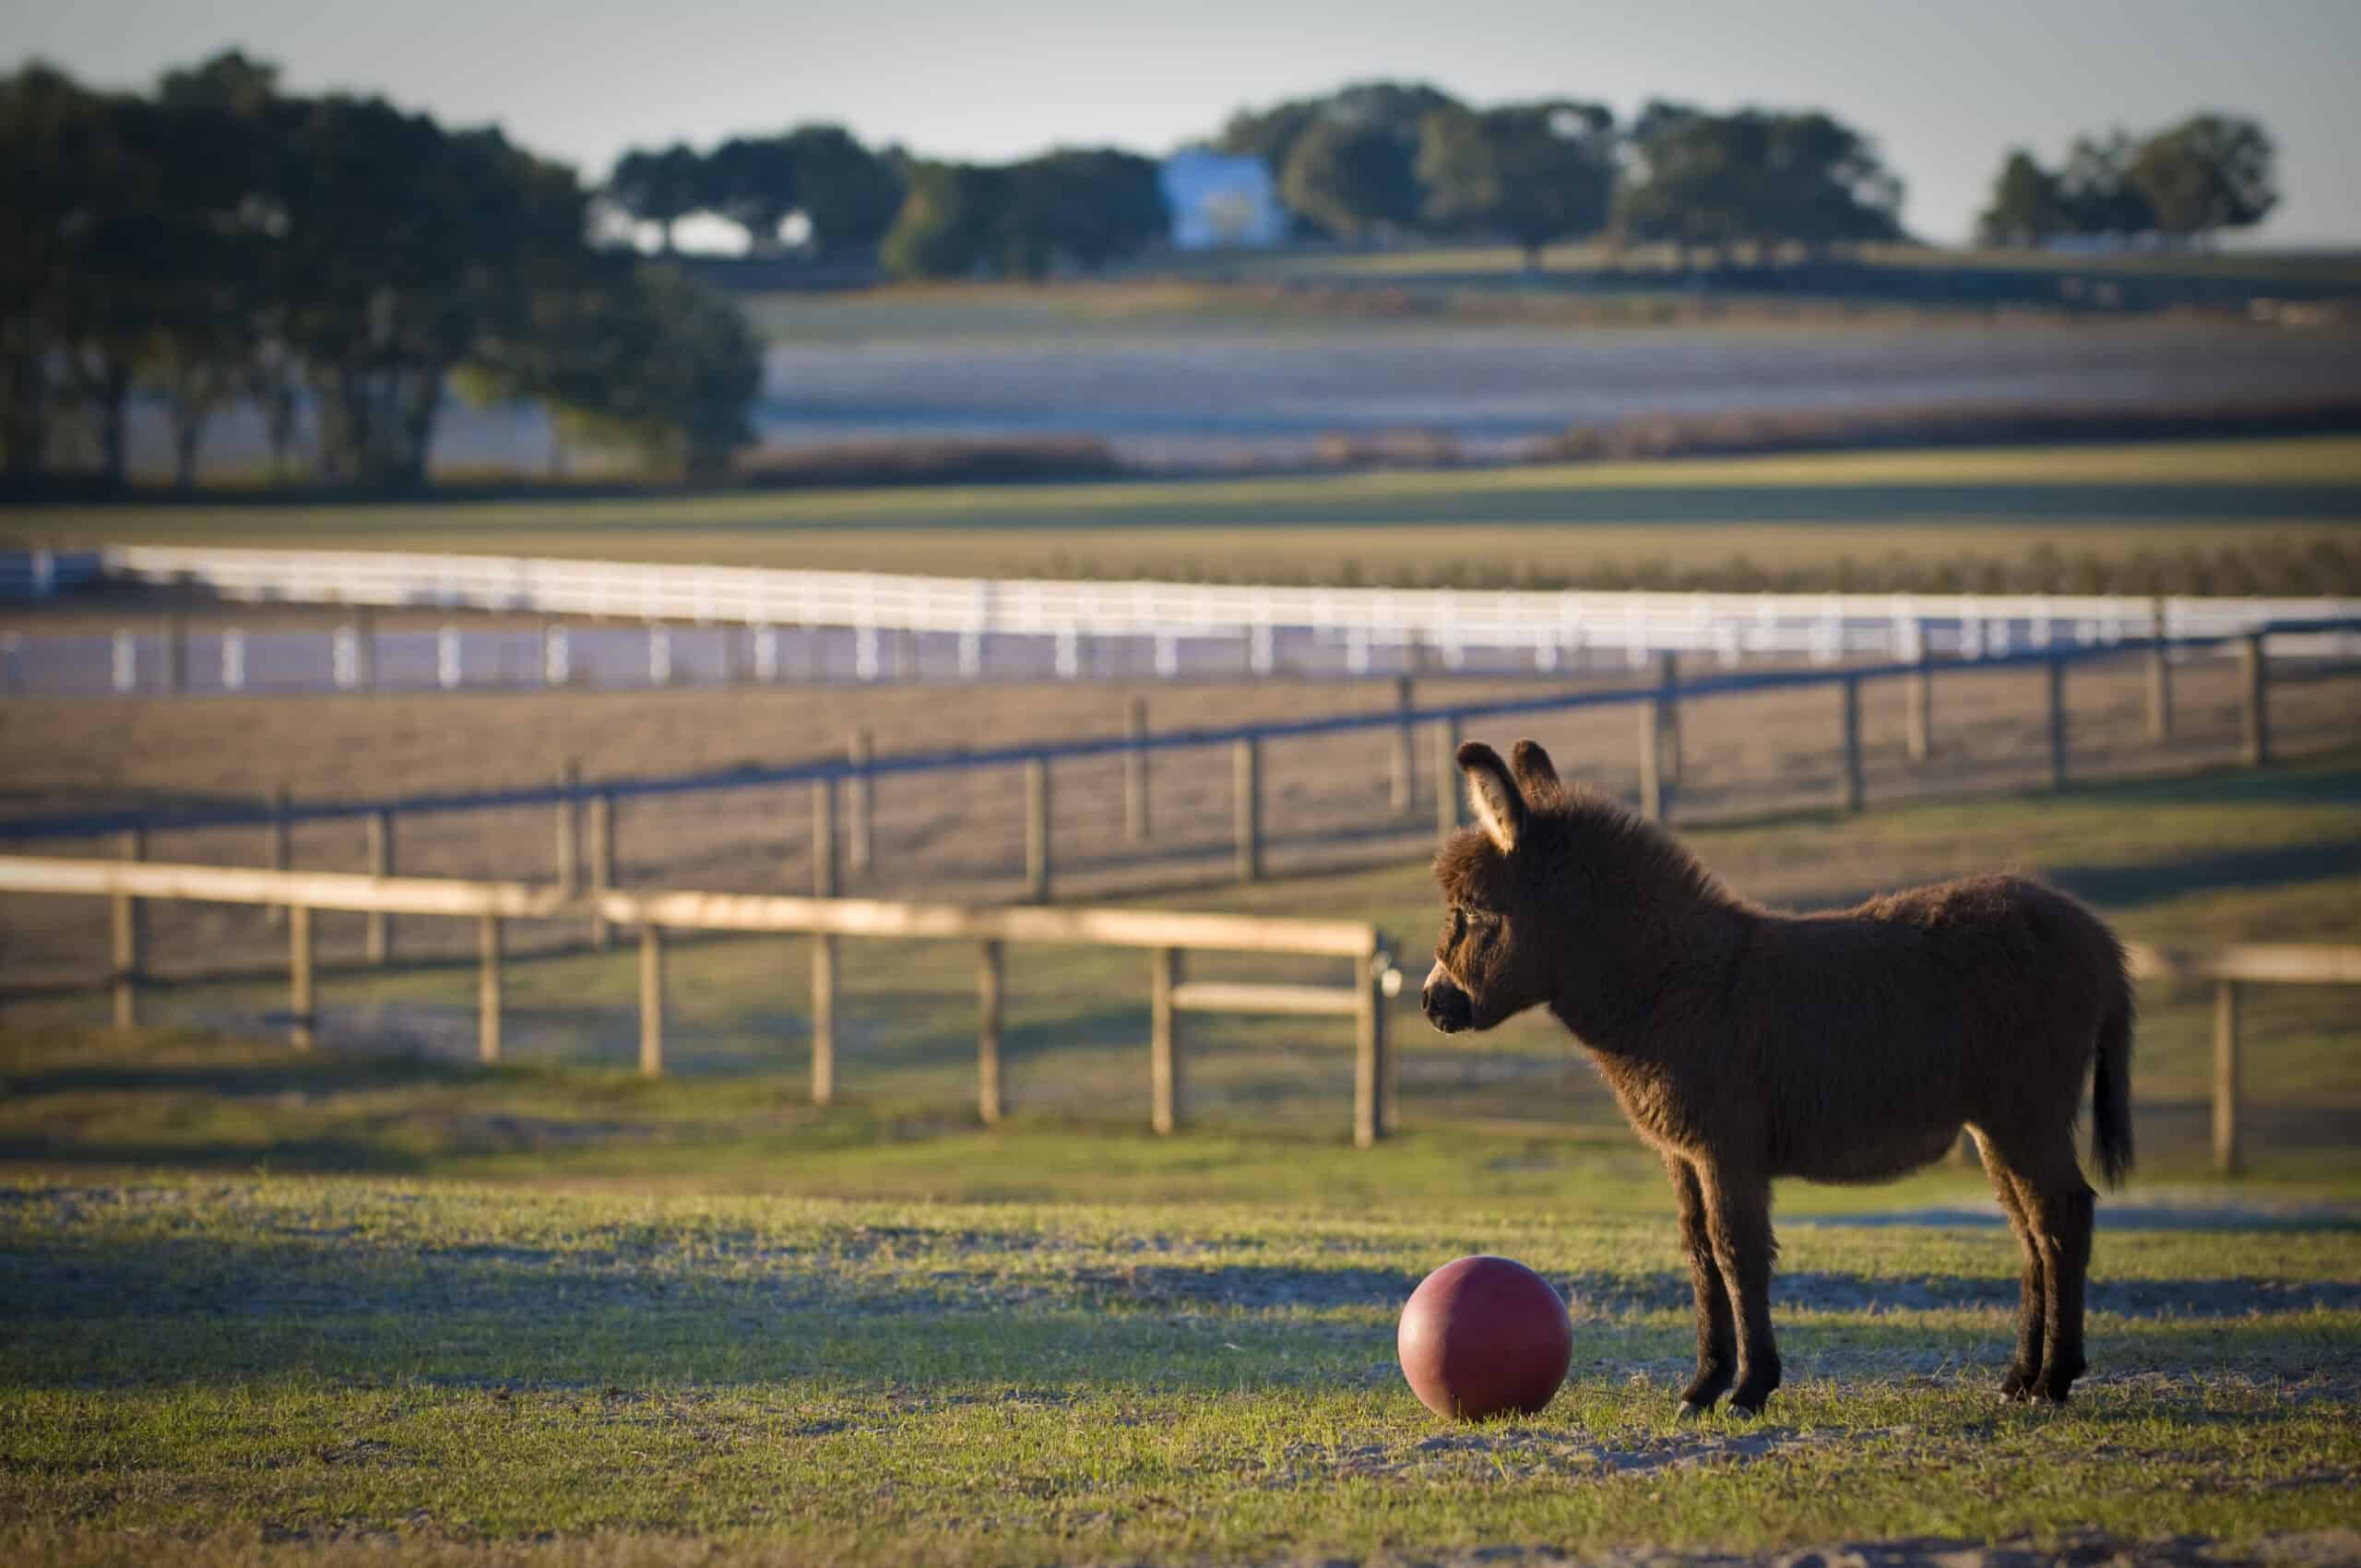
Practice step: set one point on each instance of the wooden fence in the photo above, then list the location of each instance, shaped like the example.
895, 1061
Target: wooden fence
1167, 935
843, 791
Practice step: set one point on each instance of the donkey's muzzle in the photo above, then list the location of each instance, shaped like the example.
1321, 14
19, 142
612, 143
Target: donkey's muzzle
1447, 1007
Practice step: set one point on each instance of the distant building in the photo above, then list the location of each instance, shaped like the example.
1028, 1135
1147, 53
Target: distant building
1222, 202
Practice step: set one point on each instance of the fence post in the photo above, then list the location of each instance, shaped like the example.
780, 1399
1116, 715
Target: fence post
823, 1019
651, 999
126, 923
1163, 1066
2225, 1076
1405, 767
280, 850
301, 1024
1037, 870
1856, 786
988, 998
2160, 681
488, 989
1371, 1075
1135, 818
824, 837
364, 650
176, 655
2254, 671
1920, 719
1246, 805
1669, 732
2056, 670
602, 865
1651, 760
1450, 810
381, 863
858, 797
569, 829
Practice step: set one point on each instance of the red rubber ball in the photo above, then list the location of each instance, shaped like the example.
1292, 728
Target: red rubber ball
1482, 1337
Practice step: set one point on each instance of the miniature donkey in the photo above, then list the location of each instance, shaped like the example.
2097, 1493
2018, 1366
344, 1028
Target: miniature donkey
1842, 1047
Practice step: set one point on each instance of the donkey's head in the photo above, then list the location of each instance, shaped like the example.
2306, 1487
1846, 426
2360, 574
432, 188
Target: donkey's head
1497, 955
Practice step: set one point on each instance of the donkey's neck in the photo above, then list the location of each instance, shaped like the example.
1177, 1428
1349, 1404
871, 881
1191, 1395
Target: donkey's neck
1660, 954
1650, 1001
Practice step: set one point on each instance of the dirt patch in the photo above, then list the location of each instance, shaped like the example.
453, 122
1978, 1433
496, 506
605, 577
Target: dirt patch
1516, 1453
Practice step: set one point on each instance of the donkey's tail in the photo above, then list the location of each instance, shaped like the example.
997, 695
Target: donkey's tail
2111, 1093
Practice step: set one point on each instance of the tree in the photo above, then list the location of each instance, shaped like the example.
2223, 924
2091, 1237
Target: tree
848, 193
2095, 190
675, 370
1352, 180
46, 122
1757, 177
950, 225
751, 181
1382, 120
1537, 173
659, 187
1084, 207
1397, 107
2211, 171
210, 342
2027, 206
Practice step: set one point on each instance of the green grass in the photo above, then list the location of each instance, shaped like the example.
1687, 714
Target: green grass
1586, 522
262, 1370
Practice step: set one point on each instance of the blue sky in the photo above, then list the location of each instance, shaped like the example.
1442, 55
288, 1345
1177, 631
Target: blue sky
1946, 87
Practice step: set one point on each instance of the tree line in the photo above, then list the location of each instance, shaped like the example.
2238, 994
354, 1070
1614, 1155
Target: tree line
335, 263
1371, 161
1381, 160
2187, 182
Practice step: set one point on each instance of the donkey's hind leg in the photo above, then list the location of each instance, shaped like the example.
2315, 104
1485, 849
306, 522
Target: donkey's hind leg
2031, 1304
1717, 1332
2059, 1206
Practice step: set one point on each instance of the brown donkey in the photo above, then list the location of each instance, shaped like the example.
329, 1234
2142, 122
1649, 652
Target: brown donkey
1848, 1046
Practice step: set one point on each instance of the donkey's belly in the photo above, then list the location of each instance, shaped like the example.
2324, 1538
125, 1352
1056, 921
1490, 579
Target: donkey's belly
1869, 1155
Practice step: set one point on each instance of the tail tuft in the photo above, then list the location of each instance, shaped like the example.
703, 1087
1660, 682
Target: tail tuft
2111, 1094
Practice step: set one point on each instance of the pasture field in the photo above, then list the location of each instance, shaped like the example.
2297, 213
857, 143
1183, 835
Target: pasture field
1967, 518
2191, 862
383, 1304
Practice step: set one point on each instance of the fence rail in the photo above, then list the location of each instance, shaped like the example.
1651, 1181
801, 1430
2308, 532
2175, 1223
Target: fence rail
1166, 934
1659, 704
889, 625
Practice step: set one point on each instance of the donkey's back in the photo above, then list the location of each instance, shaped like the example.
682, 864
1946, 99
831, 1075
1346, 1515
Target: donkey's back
1988, 1002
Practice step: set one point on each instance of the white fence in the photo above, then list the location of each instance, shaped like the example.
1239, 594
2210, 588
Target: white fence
868, 627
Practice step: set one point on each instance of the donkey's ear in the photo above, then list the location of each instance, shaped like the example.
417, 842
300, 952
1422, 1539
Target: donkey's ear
1498, 804
1531, 766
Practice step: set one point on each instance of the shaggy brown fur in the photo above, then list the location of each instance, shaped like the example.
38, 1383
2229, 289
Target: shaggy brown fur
1744, 1044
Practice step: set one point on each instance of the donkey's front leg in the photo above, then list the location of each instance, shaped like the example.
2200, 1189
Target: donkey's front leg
1737, 1216
1716, 1337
